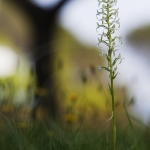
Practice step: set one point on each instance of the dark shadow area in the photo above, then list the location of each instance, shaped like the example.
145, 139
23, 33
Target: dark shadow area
44, 24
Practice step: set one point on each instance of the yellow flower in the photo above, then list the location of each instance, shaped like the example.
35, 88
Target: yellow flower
70, 118
73, 98
51, 133
7, 108
22, 125
42, 113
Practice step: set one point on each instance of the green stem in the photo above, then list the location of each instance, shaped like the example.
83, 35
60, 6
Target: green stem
112, 84
113, 118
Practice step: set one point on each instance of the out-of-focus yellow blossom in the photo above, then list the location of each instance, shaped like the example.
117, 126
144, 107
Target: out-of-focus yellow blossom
51, 133
73, 98
21, 125
7, 108
69, 118
42, 113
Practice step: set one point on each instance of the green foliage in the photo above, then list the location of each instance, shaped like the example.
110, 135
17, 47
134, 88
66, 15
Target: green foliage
40, 136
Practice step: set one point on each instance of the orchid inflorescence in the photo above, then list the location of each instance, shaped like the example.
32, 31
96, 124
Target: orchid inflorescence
107, 15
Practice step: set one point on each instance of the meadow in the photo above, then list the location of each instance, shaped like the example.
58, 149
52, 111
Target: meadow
81, 115
83, 108
18, 132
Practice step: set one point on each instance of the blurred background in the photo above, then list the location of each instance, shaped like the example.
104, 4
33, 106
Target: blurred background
49, 58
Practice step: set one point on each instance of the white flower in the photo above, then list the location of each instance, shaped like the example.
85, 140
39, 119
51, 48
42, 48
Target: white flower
99, 68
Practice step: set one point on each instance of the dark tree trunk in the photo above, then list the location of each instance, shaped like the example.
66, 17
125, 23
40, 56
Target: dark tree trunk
44, 22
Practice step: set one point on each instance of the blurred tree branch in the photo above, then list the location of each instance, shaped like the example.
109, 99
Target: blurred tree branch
140, 36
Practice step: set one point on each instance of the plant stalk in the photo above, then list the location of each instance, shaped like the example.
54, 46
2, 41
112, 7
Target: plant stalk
114, 142
113, 118
110, 23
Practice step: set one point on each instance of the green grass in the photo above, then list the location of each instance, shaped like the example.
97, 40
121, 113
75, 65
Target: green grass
44, 136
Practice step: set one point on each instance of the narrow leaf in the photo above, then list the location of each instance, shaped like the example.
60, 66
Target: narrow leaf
109, 88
